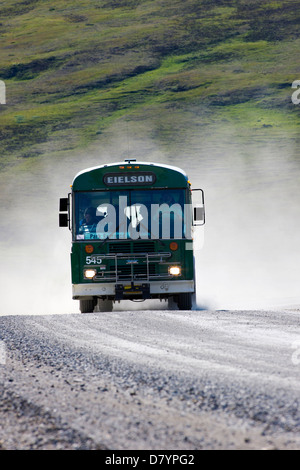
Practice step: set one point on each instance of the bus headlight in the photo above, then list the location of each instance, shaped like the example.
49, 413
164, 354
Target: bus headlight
89, 273
175, 270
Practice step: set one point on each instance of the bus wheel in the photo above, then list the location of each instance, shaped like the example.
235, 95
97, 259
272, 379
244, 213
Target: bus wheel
185, 301
87, 306
105, 305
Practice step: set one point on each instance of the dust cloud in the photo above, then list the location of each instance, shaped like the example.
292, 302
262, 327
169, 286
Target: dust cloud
250, 257
35, 271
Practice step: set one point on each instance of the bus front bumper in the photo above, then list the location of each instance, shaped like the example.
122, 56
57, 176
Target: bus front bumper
112, 289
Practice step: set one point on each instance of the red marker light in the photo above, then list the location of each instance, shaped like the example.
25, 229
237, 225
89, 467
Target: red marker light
173, 246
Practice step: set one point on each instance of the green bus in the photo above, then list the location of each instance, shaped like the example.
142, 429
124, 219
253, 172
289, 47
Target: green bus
132, 234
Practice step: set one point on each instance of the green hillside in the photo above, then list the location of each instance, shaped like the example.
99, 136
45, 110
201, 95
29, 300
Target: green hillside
174, 71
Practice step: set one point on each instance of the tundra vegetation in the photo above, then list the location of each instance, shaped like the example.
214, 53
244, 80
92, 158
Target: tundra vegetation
177, 72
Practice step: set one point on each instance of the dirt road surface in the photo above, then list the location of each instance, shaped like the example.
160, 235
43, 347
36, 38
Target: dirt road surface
151, 380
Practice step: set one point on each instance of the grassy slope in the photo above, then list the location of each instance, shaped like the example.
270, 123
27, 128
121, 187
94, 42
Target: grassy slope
183, 69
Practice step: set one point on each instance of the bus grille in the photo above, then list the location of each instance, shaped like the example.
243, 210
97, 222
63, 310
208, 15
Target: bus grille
121, 247
142, 246
139, 265
135, 272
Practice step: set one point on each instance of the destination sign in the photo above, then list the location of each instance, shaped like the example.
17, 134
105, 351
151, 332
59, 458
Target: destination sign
137, 178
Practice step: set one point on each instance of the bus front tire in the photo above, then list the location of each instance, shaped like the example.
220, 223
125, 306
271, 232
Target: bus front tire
185, 301
87, 306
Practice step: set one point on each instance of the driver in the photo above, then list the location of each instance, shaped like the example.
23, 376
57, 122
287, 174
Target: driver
89, 223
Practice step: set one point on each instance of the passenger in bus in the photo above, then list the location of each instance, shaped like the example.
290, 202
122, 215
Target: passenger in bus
89, 223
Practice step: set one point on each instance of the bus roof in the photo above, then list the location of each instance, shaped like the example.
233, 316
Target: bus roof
129, 174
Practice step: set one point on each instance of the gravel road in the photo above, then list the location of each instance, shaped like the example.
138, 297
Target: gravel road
151, 380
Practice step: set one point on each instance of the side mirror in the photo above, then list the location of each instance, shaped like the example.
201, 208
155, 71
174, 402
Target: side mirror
63, 220
64, 212
63, 204
198, 207
198, 214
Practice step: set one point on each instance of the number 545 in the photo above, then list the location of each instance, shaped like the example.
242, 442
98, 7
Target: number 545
93, 260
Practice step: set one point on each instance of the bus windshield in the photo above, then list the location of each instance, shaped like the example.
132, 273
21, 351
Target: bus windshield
133, 214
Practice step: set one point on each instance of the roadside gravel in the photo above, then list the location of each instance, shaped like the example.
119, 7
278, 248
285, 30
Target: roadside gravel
150, 380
